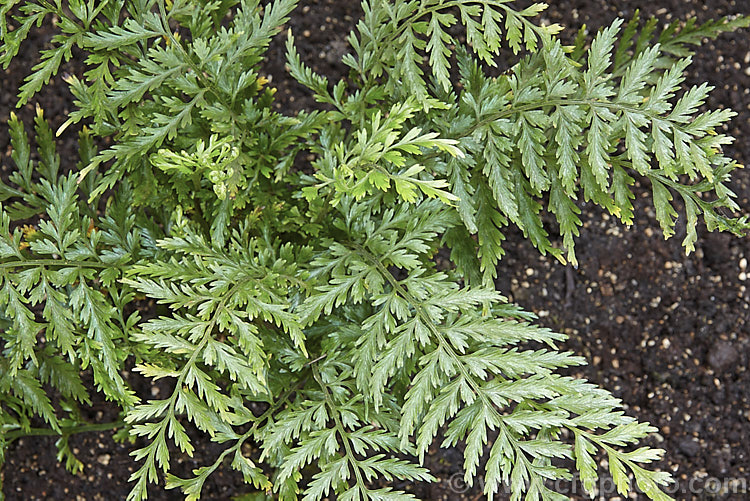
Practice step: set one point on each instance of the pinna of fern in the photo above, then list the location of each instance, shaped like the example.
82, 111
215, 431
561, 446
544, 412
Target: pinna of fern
564, 123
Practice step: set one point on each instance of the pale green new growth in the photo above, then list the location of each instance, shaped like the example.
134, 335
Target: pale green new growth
293, 302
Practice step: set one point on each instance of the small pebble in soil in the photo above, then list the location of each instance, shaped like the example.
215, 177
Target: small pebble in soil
718, 463
722, 356
689, 447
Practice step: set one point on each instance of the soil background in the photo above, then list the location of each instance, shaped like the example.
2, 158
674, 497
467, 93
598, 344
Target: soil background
669, 334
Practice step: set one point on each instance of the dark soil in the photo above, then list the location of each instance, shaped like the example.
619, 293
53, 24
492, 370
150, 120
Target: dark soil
668, 334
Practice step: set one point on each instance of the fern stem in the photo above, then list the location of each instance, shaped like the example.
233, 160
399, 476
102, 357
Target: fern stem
592, 103
69, 430
340, 427
56, 262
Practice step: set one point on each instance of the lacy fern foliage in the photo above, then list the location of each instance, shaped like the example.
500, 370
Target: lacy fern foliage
297, 305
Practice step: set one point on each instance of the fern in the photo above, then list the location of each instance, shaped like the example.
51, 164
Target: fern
299, 308
64, 310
